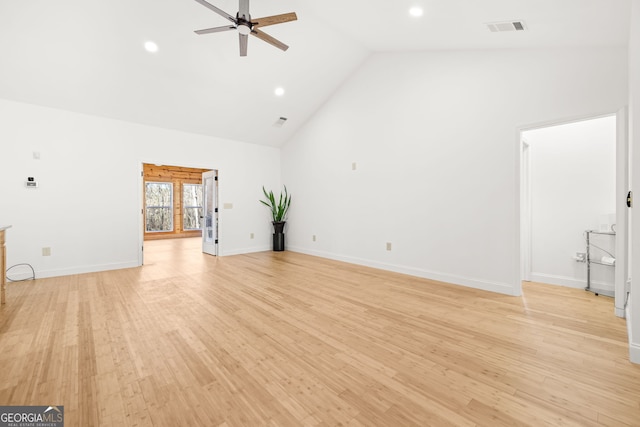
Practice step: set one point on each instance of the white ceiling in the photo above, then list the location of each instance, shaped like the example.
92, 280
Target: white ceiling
88, 56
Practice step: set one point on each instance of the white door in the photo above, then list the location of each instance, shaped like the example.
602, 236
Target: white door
623, 226
210, 213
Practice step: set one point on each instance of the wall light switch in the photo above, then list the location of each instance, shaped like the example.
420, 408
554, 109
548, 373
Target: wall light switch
251, 236
36, 155
388, 246
313, 238
354, 166
46, 251
228, 205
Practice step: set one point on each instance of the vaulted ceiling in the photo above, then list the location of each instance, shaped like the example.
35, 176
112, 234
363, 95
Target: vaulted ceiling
88, 56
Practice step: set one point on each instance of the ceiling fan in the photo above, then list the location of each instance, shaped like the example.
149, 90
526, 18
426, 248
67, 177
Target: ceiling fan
245, 25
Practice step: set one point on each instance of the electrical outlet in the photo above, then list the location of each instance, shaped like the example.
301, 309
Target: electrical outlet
581, 256
313, 237
46, 251
388, 246
627, 286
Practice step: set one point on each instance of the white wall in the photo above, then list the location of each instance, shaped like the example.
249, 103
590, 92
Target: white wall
573, 184
435, 139
87, 208
633, 312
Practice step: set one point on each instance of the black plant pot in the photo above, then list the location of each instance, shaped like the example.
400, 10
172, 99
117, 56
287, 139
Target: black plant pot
278, 236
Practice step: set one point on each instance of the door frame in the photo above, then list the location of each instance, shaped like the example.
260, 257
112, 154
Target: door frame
523, 202
525, 206
623, 184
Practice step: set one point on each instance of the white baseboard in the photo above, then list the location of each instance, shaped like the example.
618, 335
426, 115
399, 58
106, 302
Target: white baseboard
634, 348
246, 250
502, 288
43, 274
85, 269
634, 353
569, 282
551, 279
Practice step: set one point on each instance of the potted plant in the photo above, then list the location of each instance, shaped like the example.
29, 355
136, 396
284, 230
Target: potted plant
278, 214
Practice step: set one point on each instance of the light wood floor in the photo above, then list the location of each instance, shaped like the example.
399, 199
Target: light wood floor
285, 339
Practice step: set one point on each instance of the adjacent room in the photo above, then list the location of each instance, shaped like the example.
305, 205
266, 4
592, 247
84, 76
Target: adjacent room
571, 192
446, 162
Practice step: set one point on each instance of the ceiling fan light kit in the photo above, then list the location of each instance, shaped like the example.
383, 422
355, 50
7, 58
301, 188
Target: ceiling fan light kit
246, 26
243, 29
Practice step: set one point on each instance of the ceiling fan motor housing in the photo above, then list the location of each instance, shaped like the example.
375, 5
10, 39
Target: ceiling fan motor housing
245, 26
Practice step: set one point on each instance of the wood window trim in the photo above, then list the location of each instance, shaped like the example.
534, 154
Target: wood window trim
177, 176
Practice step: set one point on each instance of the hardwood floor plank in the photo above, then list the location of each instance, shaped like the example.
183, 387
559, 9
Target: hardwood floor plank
286, 339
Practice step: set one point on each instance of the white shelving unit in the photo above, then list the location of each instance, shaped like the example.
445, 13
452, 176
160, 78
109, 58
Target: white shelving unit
590, 261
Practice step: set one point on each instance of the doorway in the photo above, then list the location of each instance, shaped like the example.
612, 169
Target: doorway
178, 202
573, 179
173, 201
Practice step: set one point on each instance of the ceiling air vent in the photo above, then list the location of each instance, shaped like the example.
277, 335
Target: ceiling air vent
498, 27
280, 122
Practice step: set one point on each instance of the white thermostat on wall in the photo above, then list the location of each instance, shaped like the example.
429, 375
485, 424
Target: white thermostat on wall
31, 182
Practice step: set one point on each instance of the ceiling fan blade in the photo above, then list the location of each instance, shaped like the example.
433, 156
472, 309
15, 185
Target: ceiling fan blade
243, 11
267, 38
218, 11
215, 30
276, 19
244, 41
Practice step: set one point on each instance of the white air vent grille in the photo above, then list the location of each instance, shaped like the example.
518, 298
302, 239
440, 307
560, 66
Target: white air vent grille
498, 27
280, 122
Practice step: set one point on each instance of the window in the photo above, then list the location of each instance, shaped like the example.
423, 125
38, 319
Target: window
173, 201
192, 206
159, 206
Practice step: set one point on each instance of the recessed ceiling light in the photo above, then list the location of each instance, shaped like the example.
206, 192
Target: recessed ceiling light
279, 91
151, 46
416, 11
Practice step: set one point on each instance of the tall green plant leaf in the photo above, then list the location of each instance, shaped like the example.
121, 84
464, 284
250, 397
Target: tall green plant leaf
278, 210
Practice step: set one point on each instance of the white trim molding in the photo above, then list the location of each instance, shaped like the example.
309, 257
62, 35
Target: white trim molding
502, 288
